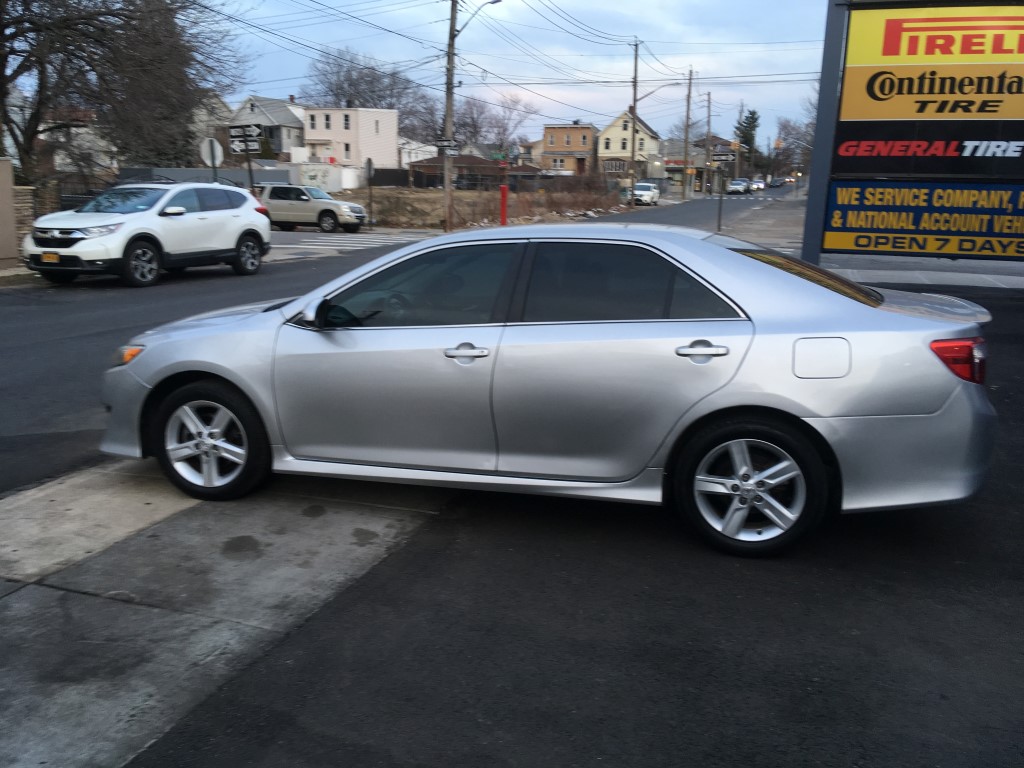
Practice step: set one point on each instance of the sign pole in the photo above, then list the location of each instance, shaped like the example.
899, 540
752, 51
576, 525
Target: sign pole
213, 160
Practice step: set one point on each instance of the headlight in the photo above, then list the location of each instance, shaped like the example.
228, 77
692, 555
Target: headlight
127, 353
107, 229
346, 210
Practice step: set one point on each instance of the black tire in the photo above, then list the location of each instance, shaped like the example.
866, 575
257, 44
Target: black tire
140, 266
59, 278
285, 227
327, 221
214, 465
248, 256
725, 485
351, 228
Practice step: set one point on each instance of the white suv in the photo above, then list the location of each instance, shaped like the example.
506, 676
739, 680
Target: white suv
291, 204
646, 194
136, 230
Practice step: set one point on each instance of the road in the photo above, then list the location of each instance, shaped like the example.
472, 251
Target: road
475, 629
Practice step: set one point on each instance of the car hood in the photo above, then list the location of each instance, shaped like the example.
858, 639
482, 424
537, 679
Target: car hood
934, 306
215, 317
76, 220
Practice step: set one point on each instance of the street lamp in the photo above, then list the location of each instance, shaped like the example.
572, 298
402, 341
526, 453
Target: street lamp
448, 144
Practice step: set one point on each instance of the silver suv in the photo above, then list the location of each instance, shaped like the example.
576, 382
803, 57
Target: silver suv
137, 230
291, 204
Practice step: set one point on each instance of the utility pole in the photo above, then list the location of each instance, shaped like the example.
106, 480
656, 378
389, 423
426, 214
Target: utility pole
449, 119
707, 150
687, 183
739, 147
633, 127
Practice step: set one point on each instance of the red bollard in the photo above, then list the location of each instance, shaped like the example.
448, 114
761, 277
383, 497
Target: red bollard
504, 204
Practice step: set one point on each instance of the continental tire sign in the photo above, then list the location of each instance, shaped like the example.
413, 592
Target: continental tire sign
932, 100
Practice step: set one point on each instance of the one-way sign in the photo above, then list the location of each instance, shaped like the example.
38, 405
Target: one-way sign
245, 131
241, 146
723, 157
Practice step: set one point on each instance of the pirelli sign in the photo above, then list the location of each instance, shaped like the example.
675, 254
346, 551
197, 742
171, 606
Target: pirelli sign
932, 107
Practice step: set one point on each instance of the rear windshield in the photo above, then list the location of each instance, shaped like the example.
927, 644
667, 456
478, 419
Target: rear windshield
124, 200
810, 272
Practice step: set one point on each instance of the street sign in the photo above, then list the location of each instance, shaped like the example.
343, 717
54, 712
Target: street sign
723, 157
211, 152
442, 143
245, 146
452, 152
252, 131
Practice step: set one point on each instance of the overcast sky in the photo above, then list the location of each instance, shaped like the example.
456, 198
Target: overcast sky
570, 59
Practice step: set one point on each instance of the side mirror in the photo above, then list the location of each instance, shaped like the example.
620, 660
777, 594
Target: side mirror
173, 210
311, 313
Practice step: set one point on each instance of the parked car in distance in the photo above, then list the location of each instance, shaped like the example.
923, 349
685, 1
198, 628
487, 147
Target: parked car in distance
291, 205
137, 230
646, 194
738, 187
754, 393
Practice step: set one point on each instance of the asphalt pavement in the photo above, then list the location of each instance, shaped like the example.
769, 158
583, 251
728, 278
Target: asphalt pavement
775, 221
327, 623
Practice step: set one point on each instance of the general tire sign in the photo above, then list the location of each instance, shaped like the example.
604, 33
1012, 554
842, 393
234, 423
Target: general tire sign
928, 149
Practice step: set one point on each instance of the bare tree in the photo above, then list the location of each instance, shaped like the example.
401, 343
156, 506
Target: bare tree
473, 121
509, 117
344, 78
137, 65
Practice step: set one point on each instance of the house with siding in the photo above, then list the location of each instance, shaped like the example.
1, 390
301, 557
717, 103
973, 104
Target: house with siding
282, 122
352, 136
615, 150
567, 149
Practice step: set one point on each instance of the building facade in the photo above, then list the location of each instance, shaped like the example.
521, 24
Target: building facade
567, 149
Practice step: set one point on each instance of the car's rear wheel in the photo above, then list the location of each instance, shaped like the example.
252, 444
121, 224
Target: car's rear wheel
59, 278
328, 222
141, 264
248, 256
210, 441
751, 486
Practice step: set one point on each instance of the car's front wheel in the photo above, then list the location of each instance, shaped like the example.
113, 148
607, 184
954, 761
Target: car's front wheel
210, 441
751, 486
140, 265
328, 222
248, 256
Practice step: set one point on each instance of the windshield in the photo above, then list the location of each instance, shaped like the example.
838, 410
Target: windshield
643, 187
124, 200
317, 194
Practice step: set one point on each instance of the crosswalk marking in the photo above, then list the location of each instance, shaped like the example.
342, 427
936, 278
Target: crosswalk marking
360, 240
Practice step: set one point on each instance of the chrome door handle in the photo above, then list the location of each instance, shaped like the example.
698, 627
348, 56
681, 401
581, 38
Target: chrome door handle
466, 350
696, 350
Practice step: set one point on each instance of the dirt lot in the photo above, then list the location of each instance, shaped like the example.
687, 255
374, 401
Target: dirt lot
424, 208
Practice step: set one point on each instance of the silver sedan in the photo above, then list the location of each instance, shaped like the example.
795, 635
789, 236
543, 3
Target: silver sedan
754, 393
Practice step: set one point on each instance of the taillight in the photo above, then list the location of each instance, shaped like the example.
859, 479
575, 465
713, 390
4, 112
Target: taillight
964, 357
262, 209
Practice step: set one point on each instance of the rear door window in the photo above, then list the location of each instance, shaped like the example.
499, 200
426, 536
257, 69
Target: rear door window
601, 282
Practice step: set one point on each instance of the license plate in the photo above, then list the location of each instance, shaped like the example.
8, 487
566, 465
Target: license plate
50, 258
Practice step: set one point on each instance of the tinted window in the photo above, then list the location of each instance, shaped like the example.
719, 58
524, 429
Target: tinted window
215, 199
186, 199
802, 269
282, 193
607, 282
454, 286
